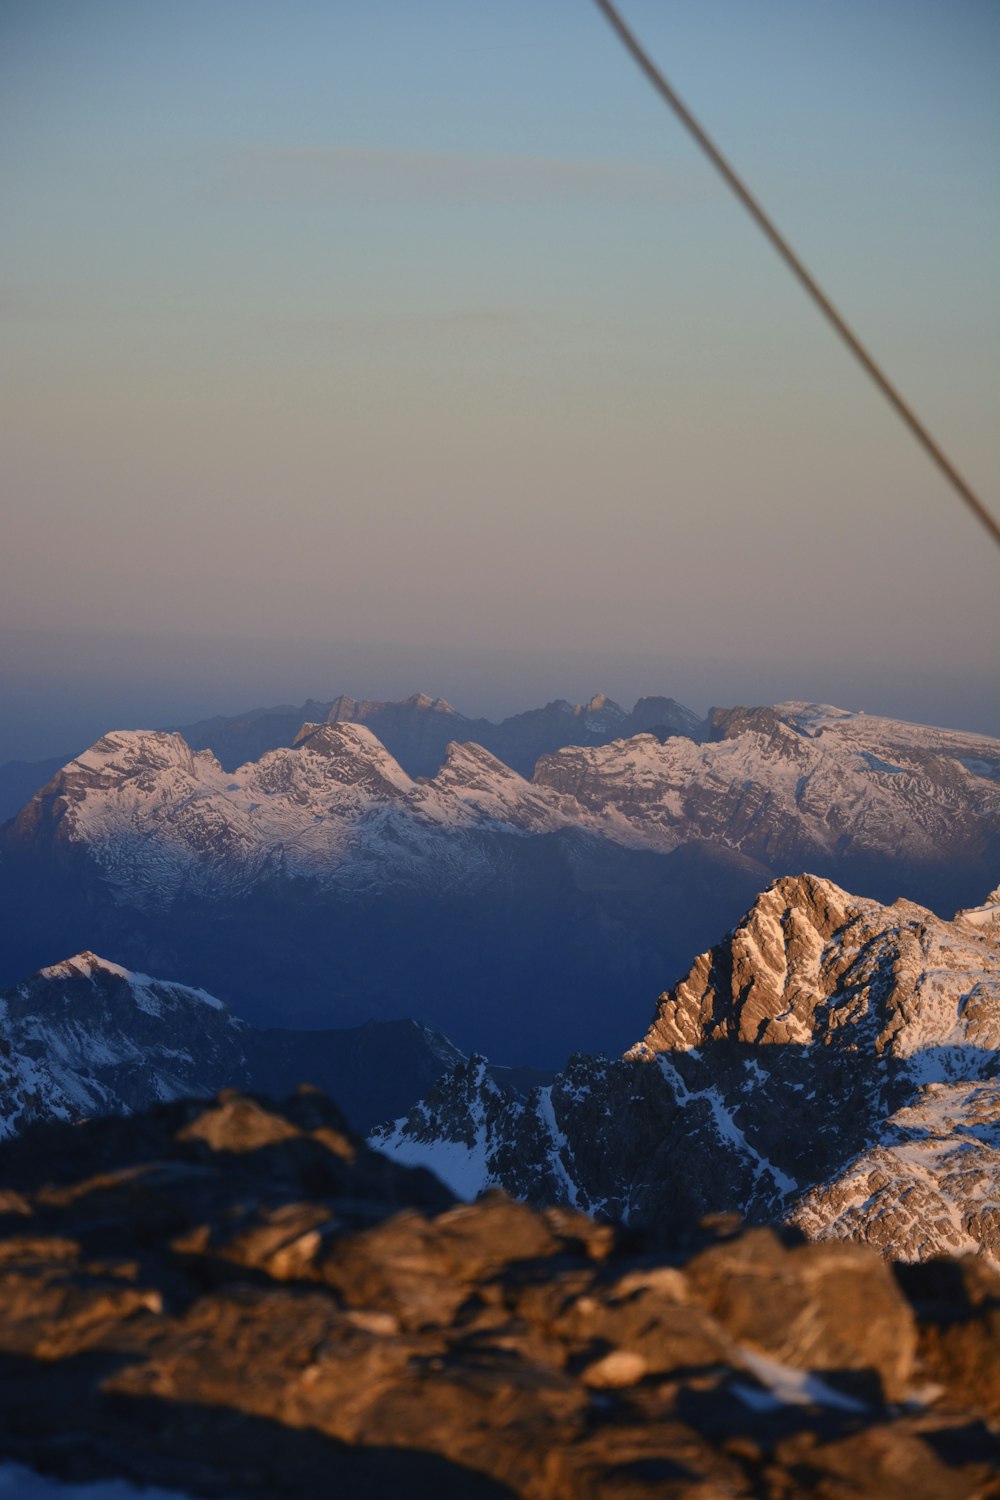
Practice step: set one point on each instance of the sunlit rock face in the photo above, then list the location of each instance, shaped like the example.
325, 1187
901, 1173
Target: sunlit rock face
237, 1297
828, 1057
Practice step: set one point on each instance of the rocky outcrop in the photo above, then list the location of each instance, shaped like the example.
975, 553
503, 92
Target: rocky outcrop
831, 1059
810, 964
237, 1298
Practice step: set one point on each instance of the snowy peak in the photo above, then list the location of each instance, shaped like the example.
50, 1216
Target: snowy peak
350, 753
484, 789
128, 751
468, 764
86, 1036
148, 994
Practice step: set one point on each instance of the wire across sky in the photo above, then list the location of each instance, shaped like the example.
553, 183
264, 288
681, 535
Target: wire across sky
804, 276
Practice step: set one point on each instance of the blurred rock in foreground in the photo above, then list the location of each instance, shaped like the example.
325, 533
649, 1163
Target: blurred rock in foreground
240, 1299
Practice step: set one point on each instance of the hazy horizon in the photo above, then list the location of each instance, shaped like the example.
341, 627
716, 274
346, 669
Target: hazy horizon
328, 329
74, 691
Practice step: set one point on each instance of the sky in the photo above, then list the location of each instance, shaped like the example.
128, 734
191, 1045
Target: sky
390, 347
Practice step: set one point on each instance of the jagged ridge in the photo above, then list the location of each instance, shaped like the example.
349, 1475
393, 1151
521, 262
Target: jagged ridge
821, 1028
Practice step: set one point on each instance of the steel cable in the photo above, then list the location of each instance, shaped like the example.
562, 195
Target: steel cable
788, 255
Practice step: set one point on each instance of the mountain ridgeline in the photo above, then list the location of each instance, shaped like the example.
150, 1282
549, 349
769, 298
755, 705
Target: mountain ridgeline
416, 731
831, 1062
324, 885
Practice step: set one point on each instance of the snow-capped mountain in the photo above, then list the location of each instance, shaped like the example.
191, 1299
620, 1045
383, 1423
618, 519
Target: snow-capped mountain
503, 911
810, 1061
780, 785
161, 821
87, 1037
804, 786
418, 730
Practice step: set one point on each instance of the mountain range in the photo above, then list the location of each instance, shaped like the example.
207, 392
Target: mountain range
827, 1069
417, 732
831, 1063
322, 885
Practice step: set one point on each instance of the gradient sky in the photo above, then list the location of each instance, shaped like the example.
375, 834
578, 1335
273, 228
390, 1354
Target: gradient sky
374, 347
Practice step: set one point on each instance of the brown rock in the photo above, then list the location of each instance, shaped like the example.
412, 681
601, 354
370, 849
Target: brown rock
831, 1307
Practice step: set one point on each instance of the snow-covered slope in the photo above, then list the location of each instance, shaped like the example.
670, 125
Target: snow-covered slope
787, 786
930, 1186
162, 821
87, 1037
828, 1050
796, 785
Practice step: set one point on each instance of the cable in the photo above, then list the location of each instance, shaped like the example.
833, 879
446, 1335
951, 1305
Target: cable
788, 255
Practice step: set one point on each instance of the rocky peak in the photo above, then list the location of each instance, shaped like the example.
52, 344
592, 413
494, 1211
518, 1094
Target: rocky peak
123, 752
342, 708
350, 753
468, 764
86, 1036
810, 963
657, 714
423, 703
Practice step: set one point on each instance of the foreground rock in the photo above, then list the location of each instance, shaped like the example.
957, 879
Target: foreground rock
240, 1299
